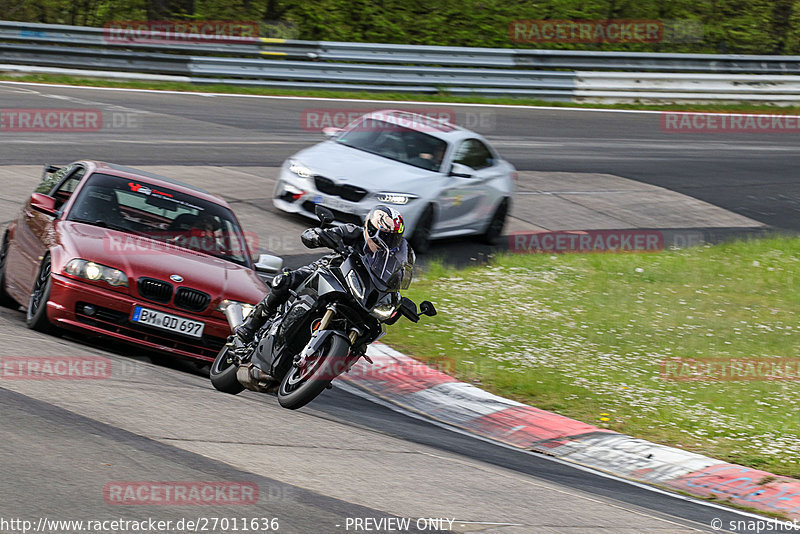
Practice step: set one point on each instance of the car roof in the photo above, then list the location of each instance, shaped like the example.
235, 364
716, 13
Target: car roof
155, 179
423, 123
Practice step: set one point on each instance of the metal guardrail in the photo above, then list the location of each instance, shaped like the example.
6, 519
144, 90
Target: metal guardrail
405, 68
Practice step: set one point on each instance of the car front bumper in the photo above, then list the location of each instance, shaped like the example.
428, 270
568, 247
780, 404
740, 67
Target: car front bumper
294, 194
112, 315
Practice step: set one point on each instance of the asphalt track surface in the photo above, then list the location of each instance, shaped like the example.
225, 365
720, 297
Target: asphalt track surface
753, 174
343, 456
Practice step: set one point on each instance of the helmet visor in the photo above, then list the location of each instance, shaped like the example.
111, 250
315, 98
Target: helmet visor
387, 239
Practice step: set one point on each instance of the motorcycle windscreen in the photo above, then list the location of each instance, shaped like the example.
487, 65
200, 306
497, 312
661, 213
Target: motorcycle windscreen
394, 268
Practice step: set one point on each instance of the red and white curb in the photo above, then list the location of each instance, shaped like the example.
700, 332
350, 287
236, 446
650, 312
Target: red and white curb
415, 387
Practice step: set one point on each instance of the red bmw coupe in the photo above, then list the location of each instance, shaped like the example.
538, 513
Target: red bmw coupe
114, 251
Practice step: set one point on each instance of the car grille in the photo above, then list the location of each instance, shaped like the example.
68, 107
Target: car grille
337, 215
155, 290
191, 299
205, 348
345, 191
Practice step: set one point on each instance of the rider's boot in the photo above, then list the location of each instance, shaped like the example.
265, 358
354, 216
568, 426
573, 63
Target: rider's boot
265, 309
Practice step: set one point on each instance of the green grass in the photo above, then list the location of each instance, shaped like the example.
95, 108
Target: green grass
439, 97
583, 335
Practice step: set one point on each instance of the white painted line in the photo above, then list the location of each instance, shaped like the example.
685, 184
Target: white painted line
378, 101
364, 395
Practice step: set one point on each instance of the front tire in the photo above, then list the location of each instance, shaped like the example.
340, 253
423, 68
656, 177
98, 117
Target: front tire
36, 316
297, 390
6, 300
223, 374
421, 240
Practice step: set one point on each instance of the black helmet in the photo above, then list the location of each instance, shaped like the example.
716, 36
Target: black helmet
383, 228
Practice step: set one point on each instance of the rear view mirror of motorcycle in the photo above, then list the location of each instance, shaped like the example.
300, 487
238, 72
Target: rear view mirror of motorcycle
426, 308
324, 215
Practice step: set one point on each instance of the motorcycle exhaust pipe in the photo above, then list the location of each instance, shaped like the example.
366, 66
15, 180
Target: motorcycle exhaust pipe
234, 314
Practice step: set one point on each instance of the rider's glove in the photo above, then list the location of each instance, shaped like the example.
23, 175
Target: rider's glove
310, 238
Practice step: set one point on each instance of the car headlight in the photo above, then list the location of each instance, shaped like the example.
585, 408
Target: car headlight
96, 271
355, 284
300, 170
383, 311
395, 198
247, 309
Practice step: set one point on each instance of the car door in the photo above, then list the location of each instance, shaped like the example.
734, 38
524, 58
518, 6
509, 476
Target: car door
34, 228
465, 203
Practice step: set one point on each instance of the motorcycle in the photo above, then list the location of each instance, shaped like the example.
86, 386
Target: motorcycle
323, 328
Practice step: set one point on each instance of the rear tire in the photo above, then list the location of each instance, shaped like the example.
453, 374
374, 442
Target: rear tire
296, 396
421, 240
36, 316
6, 300
223, 374
495, 228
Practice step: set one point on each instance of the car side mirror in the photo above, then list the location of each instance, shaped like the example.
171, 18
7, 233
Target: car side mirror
331, 131
50, 169
44, 204
267, 263
324, 215
461, 171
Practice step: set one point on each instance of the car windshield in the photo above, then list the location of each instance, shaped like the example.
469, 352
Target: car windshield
137, 207
395, 142
393, 268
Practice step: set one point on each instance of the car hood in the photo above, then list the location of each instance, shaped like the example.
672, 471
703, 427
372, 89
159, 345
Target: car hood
142, 257
356, 167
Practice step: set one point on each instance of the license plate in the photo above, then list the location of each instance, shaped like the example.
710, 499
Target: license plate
333, 203
168, 322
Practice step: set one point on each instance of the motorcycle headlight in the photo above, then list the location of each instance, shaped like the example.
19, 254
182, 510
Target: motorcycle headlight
246, 308
383, 311
355, 284
300, 170
395, 198
96, 271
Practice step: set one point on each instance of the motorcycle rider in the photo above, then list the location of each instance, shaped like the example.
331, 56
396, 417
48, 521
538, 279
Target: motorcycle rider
382, 234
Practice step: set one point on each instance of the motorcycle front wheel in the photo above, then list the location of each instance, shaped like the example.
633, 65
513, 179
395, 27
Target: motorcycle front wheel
302, 385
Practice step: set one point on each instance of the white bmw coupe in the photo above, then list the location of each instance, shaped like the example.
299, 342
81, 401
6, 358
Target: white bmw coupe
445, 180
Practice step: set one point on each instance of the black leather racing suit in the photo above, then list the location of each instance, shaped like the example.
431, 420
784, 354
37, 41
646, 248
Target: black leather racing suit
349, 234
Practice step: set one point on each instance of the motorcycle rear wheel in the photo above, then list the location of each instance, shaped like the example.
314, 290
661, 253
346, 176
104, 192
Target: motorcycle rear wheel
223, 373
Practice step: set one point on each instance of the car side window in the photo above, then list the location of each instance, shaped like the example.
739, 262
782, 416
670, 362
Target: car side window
474, 154
67, 187
50, 180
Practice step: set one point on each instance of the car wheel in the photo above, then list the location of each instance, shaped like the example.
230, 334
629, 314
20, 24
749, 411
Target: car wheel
36, 318
421, 239
496, 224
5, 299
